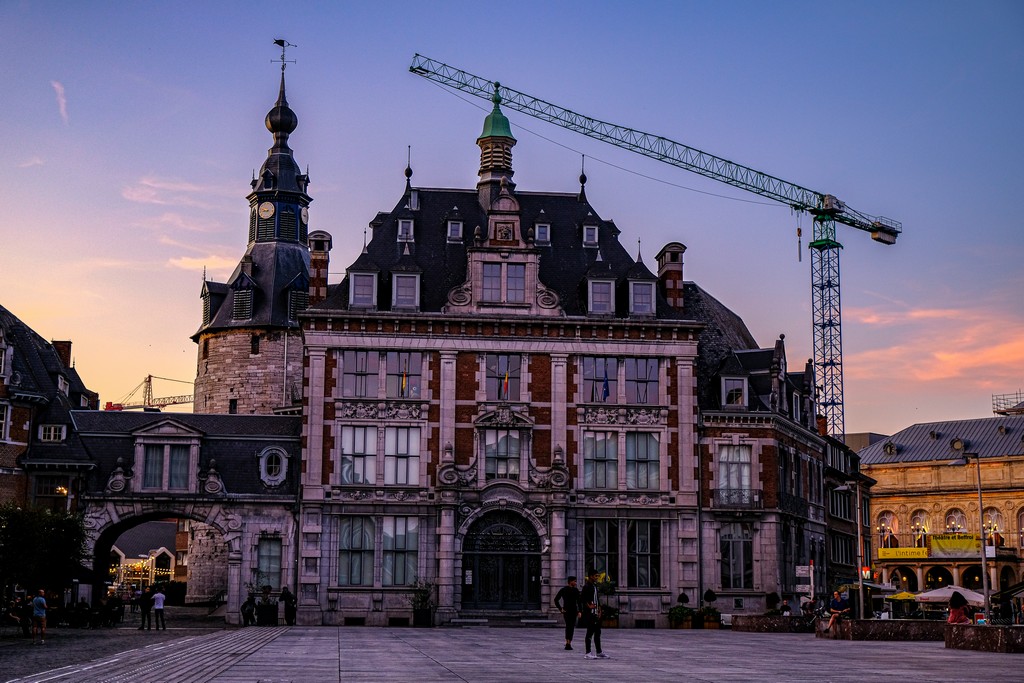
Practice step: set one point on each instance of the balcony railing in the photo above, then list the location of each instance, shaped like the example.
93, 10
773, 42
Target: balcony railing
742, 499
794, 505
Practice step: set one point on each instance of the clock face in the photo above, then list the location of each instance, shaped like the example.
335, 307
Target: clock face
304, 215
266, 210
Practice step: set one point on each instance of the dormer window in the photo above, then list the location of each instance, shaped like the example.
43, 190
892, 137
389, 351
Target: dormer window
62, 385
504, 283
242, 308
641, 298
363, 290
298, 301
796, 407
602, 297
590, 235
454, 231
405, 291
405, 230
273, 465
734, 392
51, 433
542, 233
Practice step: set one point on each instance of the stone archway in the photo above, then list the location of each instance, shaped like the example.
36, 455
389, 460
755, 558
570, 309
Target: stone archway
501, 563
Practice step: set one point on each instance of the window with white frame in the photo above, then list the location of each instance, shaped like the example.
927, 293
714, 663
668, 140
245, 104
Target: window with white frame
454, 231
643, 553
269, 562
404, 371
600, 460
3, 359
359, 374
736, 545
643, 464
4, 414
405, 291
542, 233
362, 290
641, 298
51, 433
589, 235
602, 296
502, 453
400, 545
503, 376
355, 551
794, 407
600, 379
273, 465
402, 455
358, 455
642, 381
166, 467
732, 484
405, 230
734, 392
62, 385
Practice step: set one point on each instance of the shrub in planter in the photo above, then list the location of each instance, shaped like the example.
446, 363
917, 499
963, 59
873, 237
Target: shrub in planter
423, 603
680, 617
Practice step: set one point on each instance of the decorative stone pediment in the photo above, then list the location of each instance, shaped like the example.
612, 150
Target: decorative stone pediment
503, 415
168, 428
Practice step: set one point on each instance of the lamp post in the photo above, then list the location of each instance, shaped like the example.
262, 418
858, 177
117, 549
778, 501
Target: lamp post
981, 517
855, 487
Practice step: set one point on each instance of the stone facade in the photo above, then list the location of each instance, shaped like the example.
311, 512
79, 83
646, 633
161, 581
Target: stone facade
248, 371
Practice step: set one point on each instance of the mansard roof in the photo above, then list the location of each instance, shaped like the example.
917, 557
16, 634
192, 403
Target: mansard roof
989, 437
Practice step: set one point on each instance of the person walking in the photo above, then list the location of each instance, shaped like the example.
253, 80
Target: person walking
145, 605
590, 608
158, 609
289, 606
567, 600
39, 608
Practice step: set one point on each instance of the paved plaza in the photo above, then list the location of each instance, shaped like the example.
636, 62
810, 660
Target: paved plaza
329, 654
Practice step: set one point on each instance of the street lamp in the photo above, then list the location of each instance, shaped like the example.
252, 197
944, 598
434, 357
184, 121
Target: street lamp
965, 457
855, 487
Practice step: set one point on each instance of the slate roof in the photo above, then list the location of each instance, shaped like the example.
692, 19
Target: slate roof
139, 540
564, 261
989, 437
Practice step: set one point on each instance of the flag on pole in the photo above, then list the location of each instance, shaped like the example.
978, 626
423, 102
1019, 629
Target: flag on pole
605, 390
404, 373
504, 387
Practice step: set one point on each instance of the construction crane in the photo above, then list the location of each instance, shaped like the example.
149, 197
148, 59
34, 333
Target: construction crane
826, 210
148, 401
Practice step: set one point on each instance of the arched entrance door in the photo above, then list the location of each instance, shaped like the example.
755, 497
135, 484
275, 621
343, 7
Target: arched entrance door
501, 564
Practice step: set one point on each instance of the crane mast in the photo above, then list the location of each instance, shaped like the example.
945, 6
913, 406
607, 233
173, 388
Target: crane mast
826, 209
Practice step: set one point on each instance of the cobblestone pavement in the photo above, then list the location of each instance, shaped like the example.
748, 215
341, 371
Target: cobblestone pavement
332, 655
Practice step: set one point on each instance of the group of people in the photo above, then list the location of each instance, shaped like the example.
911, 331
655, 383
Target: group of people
29, 613
582, 608
263, 612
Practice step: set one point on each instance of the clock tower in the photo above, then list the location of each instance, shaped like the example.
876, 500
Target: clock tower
250, 343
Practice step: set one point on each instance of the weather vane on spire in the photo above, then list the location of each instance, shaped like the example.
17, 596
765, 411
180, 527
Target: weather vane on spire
284, 47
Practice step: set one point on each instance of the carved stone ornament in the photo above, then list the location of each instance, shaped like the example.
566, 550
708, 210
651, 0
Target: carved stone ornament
546, 298
600, 499
646, 500
212, 482
117, 482
402, 411
359, 410
461, 295
602, 416
357, 495
643, 416
556, 476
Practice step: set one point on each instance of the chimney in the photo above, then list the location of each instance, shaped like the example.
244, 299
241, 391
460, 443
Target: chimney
319, 261
63, 349
670, 273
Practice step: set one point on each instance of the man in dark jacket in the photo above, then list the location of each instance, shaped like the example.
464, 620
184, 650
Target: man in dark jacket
590, 608
568, 603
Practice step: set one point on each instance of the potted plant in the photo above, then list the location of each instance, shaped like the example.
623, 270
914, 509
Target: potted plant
681, 616
422, 601
711, 616
609, 613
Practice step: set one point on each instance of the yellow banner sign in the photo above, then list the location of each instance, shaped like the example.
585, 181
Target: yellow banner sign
902, 553
955, 545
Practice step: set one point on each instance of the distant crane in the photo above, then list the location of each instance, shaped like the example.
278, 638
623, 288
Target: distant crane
147, 397
826, 210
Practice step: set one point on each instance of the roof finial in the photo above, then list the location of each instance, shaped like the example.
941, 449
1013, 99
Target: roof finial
408, 166
284, 44
583, 180
639, 254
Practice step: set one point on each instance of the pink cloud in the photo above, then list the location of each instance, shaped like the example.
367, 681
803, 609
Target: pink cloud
62, 100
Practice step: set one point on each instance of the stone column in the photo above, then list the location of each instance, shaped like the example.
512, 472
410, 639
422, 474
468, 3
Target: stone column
447, 582
234, 604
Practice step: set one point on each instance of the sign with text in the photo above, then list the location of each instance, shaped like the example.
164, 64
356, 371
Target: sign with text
902, 553
955, 545
803, 570
804, 588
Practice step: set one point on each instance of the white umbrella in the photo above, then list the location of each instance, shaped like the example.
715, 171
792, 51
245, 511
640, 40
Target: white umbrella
943, 594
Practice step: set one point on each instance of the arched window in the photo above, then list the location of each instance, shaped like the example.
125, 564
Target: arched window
919, 528
956, 521
992, 520
273, 465
888, 527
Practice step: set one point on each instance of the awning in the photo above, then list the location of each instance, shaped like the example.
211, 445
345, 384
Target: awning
877, 587
1007, 593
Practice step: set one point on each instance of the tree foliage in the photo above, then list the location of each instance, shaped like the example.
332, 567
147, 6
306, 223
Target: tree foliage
39, 548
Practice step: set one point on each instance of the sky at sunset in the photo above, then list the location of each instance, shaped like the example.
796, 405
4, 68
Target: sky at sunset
130, 132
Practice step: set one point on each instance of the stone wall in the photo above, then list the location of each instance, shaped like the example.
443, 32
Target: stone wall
207, 563
985, 638
228, 370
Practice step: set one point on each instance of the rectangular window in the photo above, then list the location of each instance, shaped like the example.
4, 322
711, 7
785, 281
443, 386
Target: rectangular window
590, 235
62, 385
602, 297
644, 552
358, 455
492, 282
403, 374
641, 297
310, 566
502, 449
401, 544
402, 455
254, 345
269, 563
515, 291
642, 381
542, 233
503, 377
737, 549
363, 294
601, 546
153, 467
359, 374
406, 291
355, 558
642, 461
732, 485
177, 471
600, 380
3, 422
734, 392
3, 359
51, 433
454, 231
600, 460
51, 492
405, 230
